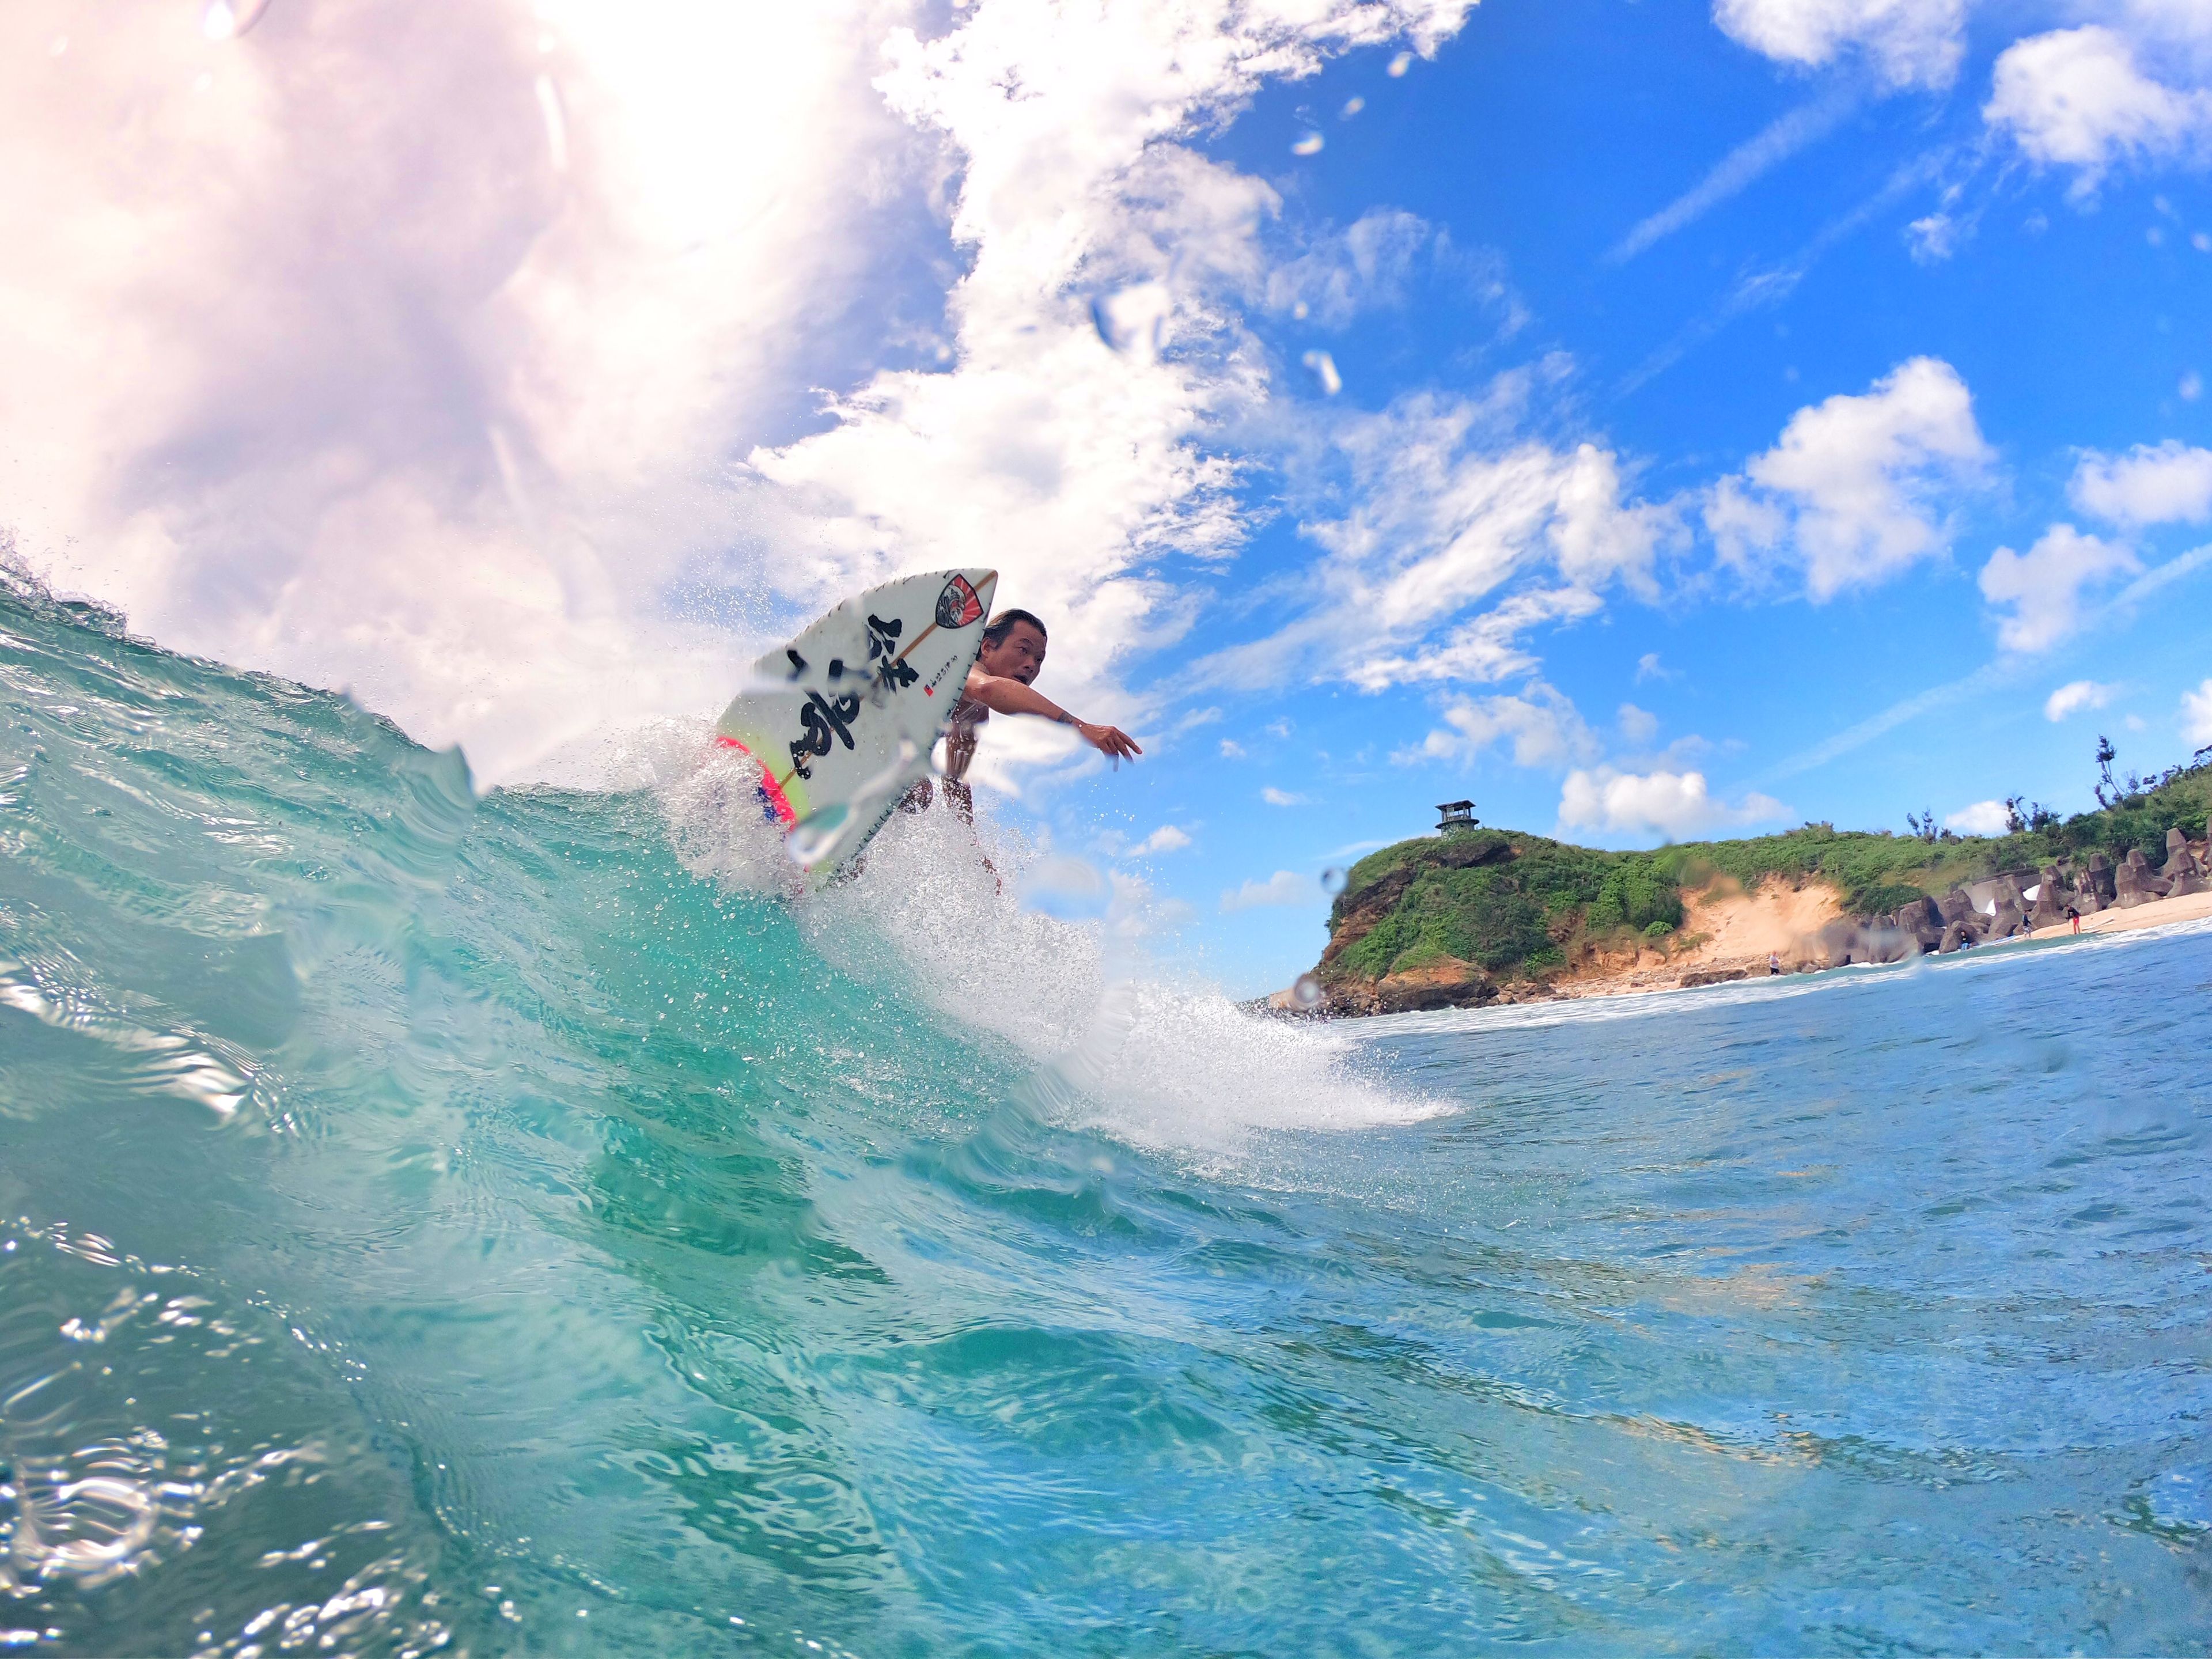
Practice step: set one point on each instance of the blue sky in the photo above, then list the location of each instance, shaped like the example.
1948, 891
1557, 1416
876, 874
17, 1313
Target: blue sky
1533, 145
1652, 420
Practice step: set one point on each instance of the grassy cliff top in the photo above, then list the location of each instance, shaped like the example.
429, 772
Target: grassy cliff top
1516, 904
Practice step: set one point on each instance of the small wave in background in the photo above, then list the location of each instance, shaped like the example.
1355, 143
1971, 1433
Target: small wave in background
440, 1223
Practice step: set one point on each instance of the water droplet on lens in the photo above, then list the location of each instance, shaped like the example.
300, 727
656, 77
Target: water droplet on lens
1332, 881
556, 120
226, 19
1307, 992
815, 836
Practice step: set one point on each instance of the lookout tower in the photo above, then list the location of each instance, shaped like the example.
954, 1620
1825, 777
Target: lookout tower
1454, 815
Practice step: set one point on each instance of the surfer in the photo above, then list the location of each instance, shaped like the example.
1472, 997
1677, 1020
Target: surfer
1001, 683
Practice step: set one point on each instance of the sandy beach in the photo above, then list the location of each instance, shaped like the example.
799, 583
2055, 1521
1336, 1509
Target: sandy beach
2156, 914
1737, 930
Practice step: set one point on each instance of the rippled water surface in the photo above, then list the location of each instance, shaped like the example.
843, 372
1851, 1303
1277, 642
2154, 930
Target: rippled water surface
430, 1222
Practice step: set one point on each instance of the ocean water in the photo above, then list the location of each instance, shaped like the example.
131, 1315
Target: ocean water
436, 1223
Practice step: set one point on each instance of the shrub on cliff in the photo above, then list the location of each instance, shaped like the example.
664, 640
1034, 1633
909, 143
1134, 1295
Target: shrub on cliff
1519, 906
1635, 896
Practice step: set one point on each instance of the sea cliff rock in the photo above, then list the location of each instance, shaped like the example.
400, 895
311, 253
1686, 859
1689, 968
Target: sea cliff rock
1922, 923
2098, 878
1470, 918
2049, 898
1448, 983
2134, 882
1714, 976
2179, 859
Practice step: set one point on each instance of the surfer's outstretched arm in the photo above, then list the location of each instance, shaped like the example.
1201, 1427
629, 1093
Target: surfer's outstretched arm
1003, 695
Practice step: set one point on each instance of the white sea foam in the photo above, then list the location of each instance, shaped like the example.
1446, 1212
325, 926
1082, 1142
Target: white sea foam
1583, 1011
1118, 1044
1026, 946
709, 797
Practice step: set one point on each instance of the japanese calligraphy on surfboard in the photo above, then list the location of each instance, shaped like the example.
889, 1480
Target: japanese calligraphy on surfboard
840, 721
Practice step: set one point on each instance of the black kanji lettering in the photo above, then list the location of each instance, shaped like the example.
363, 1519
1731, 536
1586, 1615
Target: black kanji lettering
824, 719
883, 650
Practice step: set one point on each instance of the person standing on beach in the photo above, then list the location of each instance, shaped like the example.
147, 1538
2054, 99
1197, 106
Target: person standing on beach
1773, 964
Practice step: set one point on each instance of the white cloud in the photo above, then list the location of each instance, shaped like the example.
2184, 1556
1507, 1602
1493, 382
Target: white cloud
1649, 667
435, 381
1345, 272
2074, 697
1543, 727
1932, 240
1165, 839
1080, 465
1984, 818
2196, 714
2166, 483
1736, 171
1857, 488
365, 437
1486, 648
1911, 42
2043, 586
1637, 725
1283, 887
1231, 749
1275, 797
1449, 506
1676, 805
1324, 370
2075, 98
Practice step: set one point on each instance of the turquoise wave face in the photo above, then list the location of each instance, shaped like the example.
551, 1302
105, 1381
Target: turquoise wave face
436, 1223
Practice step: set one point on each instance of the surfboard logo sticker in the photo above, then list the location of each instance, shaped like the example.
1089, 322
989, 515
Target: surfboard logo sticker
957, 606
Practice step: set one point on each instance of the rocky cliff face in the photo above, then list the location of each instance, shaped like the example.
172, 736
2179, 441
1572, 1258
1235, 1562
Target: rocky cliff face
1438, 980
1956, 920
1478, 918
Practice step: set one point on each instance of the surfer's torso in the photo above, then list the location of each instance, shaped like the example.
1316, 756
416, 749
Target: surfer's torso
960, 735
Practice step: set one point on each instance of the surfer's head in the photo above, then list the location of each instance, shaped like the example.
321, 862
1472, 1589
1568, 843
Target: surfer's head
1013, 647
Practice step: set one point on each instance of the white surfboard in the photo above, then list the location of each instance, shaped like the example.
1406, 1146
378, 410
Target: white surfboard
842, 721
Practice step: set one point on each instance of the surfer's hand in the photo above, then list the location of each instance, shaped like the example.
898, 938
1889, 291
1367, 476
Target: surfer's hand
1109, 740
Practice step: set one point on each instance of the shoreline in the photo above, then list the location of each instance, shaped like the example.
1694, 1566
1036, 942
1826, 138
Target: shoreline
2155, 913
1650, 972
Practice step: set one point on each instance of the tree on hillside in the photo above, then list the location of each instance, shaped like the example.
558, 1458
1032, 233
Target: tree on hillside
2108, 793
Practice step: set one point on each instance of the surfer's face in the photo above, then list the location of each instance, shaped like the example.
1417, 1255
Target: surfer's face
1017, 657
